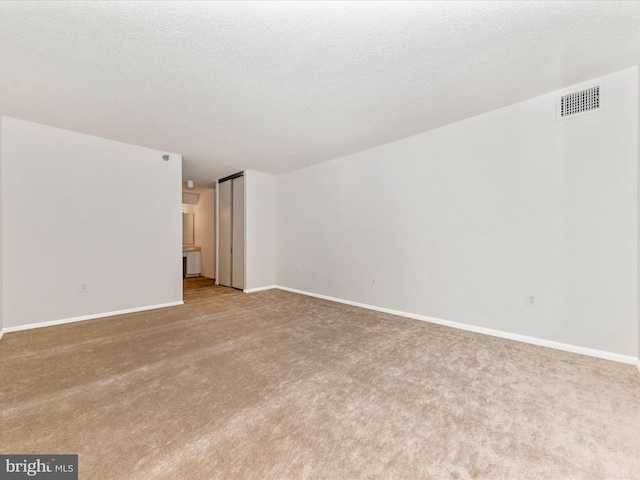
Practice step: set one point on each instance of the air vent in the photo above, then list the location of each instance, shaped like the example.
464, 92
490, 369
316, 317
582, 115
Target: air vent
578, 103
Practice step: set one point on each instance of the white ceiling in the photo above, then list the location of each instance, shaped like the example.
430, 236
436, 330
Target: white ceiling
275, 86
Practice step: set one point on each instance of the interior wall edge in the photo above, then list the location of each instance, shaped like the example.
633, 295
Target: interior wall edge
590, 352
1, 233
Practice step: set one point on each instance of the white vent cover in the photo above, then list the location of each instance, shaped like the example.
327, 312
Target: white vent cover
574, 104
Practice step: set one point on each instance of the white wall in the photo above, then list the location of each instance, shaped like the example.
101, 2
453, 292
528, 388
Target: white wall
190, 198
205, 234
81, 209
1, 222
260, 264
460, 222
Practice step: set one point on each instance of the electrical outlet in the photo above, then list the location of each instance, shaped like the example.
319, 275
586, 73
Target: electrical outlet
532, 299
84, 288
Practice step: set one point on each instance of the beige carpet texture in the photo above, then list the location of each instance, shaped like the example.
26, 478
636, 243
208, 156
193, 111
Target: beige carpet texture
275, 385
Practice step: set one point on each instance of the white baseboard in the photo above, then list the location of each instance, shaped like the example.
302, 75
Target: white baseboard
616, 357
87, 317
259, 289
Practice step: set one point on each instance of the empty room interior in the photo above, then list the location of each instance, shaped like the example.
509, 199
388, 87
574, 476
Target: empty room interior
320, 240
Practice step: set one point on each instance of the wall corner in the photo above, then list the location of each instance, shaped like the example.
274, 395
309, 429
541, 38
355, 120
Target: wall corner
259, 230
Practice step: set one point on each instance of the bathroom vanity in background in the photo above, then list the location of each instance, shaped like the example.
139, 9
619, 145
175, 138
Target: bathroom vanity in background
191, 254
191, 261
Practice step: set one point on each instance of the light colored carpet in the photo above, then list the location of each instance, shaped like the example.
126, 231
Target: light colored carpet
274, 385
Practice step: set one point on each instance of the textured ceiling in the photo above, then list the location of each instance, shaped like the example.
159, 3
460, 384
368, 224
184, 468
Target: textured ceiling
275, 86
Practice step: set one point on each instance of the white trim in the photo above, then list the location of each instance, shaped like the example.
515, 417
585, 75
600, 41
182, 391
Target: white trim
217, 234
616, 357
88, 317
1, 333
259, 289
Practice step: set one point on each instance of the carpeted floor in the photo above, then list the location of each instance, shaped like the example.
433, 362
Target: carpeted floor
273, 385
